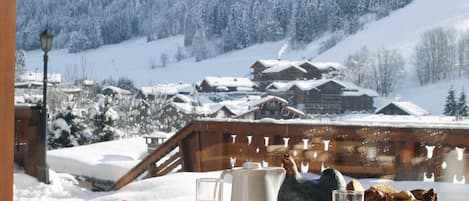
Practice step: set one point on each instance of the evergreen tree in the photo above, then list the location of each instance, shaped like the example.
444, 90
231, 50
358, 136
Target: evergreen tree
463, 109
450, 106
20, 64
104, 122
67, 130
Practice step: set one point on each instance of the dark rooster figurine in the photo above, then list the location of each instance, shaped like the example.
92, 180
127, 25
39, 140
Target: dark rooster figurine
297, 188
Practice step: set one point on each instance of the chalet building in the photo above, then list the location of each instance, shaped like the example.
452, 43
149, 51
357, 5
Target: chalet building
266, 71
248, 107
266, 107
29, 76
164, 90
115, 91
225, 84
30, 85
402, 108
324, 96
223, 112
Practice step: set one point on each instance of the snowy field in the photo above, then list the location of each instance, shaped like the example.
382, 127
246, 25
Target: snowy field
92, 160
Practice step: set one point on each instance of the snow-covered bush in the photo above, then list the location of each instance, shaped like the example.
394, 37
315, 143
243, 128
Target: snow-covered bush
68, 129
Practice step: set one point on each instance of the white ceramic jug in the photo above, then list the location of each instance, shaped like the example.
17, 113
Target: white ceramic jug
254, 183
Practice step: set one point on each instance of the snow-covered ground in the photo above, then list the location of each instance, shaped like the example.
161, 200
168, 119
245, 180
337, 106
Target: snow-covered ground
174, 187
181, 187
106, 160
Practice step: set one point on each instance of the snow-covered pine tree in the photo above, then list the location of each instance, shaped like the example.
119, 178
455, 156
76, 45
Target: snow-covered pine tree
104, 121
127, 84
78, 42
200, 46
164, 59
59, 134
463, 108
68, 129
450, 105
180, 54
20, 64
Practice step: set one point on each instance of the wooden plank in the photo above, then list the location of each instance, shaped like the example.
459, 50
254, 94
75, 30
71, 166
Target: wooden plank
171, 167
197, 155
7, 76
181, 155
153, 157
167, 162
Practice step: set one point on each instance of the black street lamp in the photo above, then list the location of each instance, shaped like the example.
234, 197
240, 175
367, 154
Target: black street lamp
43, 169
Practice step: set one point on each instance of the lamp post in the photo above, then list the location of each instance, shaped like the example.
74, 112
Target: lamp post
43, 169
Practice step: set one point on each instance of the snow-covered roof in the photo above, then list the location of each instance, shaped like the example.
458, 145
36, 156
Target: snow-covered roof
270, 63
33, 76
277, 69
275, 65
19, 99
244, 89
88, 82
306, 85
350, 89
255, 103
229, 82
187, 108
184, 98
278, 86
361, 92
158, 134
292, 109
326, 65
408, 107
117, 90
29, 84
71, 90
167, 89
377, 120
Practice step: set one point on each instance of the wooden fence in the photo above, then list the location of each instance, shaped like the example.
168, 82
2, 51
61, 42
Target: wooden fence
358, 151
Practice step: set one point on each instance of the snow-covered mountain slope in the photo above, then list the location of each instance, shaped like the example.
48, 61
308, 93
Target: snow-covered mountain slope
401, 29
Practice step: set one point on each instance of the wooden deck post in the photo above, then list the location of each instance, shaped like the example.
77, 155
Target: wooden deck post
7, 77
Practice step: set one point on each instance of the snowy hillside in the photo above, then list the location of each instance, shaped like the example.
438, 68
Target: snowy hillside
401, 29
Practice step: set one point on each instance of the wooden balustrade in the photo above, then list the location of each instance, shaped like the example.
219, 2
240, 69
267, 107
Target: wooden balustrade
358, 151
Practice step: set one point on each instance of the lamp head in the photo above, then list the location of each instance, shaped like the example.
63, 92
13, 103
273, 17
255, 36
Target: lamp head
46, 41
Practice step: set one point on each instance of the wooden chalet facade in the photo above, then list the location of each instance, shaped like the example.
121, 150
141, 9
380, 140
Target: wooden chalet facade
326, 96
271, 107
266, 71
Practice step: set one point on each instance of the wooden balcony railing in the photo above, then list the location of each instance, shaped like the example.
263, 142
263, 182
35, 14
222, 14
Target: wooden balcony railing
358, 150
